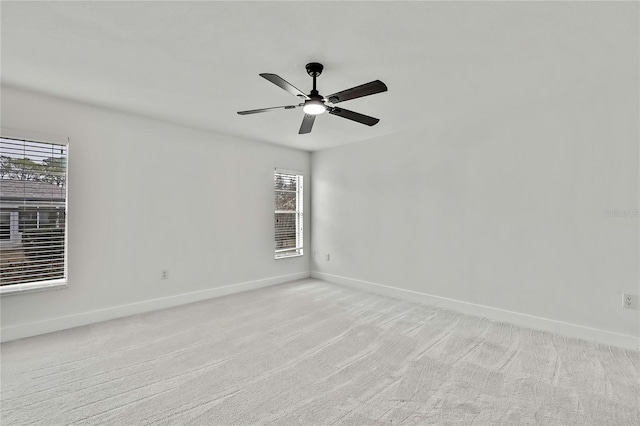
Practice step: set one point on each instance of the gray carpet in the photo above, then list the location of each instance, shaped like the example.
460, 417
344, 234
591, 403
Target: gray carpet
311, 353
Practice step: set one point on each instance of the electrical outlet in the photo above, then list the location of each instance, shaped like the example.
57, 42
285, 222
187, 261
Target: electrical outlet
165, 274
630, 301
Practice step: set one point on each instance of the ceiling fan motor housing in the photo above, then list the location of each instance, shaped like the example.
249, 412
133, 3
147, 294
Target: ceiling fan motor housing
314, 69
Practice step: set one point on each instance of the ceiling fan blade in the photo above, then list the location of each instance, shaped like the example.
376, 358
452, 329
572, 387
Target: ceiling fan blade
355, 116
255, 111
366, 89
307, 124
282, 83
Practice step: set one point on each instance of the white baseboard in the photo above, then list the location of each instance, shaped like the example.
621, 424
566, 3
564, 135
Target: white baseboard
496, 314
62, 323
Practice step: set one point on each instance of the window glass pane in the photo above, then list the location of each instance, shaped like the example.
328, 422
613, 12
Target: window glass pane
286, 182
285, 230
286, 201
33, 205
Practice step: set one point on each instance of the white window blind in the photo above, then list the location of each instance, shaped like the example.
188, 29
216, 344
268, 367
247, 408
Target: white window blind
33, 207
288, 214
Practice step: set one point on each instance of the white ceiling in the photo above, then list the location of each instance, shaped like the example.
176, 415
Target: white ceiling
197, 63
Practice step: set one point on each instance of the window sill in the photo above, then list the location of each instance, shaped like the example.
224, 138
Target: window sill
8, 290
288, 256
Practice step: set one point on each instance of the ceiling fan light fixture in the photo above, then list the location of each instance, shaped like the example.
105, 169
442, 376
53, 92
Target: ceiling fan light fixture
314, 107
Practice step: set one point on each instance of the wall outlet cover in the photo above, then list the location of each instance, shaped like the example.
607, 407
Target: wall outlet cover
630, 301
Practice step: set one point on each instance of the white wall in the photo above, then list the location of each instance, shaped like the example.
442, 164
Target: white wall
504, 209
144, 196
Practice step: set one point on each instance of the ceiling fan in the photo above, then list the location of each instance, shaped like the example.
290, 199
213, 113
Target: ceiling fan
315, 104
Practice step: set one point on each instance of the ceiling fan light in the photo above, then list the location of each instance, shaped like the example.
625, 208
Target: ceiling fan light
314, 107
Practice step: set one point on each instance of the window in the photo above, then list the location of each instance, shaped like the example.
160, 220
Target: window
33, 205
288, 214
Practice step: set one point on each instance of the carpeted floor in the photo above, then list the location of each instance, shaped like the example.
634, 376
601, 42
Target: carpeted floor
311, 353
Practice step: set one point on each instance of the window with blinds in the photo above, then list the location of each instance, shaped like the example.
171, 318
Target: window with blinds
33, 207
288, 214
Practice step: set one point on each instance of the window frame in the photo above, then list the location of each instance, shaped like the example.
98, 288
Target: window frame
45, 284
298, 250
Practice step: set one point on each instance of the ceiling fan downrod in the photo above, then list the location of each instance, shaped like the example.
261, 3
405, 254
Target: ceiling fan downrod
314, 69
315, 104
